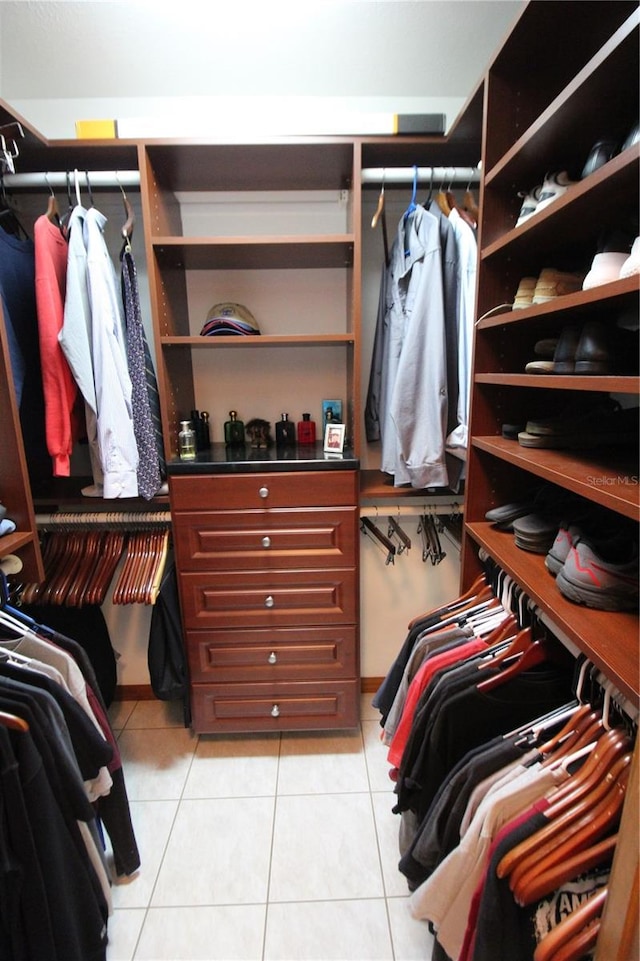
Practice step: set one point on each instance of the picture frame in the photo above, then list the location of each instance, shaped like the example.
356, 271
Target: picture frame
334, 438
335, 407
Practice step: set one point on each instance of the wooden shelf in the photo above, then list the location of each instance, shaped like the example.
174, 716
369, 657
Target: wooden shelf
608, 476
255, 343
608, 639
252, 253
583, 302
376, 485
608, 384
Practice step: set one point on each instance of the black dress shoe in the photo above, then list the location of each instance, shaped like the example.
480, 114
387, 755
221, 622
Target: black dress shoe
564, 358
592, 353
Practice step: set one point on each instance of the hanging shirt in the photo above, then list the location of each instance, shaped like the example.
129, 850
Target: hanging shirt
60, 388
467, 265
415, 392
143, 382
116, 439
75, 335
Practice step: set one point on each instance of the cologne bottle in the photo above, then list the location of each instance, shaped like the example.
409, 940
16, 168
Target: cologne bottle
186, 441
233, 429
205, 430
285, 432
306, 430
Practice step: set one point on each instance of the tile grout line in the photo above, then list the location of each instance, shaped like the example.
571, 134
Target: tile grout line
273, 834
166, 846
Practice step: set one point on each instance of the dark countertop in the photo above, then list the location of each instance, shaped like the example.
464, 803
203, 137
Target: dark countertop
221, 459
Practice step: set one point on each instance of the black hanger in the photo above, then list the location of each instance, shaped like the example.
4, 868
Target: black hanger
367, 526
9, 220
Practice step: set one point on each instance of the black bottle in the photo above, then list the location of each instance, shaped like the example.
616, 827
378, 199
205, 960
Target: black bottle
285, 432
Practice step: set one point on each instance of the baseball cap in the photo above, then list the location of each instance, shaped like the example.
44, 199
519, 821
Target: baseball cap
229, 318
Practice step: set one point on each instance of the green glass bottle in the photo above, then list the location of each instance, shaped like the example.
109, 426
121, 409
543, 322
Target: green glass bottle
233, 430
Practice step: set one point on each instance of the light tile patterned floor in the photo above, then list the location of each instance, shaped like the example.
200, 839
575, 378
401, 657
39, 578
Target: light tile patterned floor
260, 848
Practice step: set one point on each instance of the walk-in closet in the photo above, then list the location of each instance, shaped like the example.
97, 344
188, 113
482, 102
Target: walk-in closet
319, 484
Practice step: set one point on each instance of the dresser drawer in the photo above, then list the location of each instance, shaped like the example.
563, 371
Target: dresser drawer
241, 540
255, 491
269, 598
302, 706
304, 653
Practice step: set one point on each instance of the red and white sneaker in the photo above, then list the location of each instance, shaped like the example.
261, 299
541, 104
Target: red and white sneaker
605, 584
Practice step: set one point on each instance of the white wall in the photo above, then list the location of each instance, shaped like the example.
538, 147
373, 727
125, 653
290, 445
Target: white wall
184, 65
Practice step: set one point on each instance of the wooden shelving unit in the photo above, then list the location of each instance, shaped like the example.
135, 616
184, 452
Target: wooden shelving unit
537, 121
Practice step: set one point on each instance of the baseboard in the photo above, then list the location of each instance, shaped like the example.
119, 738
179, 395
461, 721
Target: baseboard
144, 692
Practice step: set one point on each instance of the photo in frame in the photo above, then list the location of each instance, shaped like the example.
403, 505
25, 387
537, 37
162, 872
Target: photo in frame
331, 412
334, 438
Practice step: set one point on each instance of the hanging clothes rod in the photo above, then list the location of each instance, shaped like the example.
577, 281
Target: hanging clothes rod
384, 509
405, 175
107, 520
57, 178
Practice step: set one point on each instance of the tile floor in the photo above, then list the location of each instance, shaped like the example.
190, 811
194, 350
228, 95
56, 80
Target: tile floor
275, 847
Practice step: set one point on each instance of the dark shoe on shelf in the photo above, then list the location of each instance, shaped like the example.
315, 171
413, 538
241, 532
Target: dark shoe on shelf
600, 154
592, 353
608, 425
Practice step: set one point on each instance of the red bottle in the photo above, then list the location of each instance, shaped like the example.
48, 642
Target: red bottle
306, 430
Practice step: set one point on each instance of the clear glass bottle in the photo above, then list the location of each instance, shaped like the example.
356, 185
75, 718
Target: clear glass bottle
186, 441
306, 430
285, 432
233, 429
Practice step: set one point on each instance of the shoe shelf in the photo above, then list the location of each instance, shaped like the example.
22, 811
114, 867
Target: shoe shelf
606, 476
612, 296
569, 125
576, 218
609, 639
567, 54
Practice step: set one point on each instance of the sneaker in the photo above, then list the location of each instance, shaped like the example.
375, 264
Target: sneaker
605, 268
595, 529
606, 583
524, 293
529, 204
631, 265
555, 283
554, 186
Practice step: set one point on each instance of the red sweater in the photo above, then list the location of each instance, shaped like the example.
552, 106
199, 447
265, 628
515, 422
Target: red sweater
60, 389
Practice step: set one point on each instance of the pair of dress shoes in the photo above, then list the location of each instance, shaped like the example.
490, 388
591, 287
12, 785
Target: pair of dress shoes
578, 350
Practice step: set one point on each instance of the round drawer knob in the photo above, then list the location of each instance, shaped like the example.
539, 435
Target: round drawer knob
273, 657
264, 492
275, 711
266, 541
269, 601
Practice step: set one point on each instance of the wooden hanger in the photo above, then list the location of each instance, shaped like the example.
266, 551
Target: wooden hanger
592, 773
479, 586
583, 825
550, 879
128, 225
573, 925
13, 722
537, 652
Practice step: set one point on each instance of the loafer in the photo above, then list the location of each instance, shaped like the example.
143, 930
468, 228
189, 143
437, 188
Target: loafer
555, 283
592, 354
619, 427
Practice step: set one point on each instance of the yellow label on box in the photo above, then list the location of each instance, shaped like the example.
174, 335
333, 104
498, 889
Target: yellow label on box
96, 129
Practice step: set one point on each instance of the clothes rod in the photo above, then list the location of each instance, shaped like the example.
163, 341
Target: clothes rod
97, 178
104, 520
385, 509
405, 175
